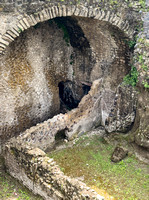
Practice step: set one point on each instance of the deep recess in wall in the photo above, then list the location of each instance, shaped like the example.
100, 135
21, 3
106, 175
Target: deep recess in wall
74, 36
71, 93
72, 32
60, 135
57, 61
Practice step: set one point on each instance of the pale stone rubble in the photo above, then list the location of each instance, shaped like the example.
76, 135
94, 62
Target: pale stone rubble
81, 119
89, 114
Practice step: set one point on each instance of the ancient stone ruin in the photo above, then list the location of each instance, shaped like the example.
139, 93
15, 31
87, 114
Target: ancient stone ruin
62, 66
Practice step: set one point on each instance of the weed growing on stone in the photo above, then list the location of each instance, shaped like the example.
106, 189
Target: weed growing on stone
142, 3
61, 26
132, 77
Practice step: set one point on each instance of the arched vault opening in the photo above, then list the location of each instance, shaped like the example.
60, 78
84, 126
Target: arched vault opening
63, 52
28, 20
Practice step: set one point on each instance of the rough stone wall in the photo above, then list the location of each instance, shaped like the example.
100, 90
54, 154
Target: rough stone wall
92, 111
17, 16
32, 65
78, 121
41, 174
40, 58
141, 127
26, 162
123, 112
28, 86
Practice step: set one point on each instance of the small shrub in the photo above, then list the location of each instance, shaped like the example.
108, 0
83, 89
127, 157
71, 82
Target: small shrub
132, 77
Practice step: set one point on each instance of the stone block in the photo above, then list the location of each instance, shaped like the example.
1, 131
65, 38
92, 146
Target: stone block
119, 154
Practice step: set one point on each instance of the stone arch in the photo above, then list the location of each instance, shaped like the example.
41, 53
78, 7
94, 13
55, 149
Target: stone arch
27, 20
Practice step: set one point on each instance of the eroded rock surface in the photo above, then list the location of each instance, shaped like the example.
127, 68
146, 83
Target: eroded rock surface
123, 112
47, 54
142, 130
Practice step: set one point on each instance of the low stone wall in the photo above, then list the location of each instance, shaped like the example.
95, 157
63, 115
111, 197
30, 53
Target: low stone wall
27, 162
41, 174
76, 121
98, 107
93, 111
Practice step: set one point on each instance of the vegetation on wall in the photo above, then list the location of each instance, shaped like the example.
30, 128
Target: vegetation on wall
62, 26
141, 73
142, 3
141, 58
132, 77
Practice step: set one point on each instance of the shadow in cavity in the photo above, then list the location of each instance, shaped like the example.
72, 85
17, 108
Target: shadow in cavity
71, 93
73, 32
60, 138
60, 135
74, 36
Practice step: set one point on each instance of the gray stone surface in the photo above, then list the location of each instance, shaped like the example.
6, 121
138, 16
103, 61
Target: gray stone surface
147, 2
119, 154
123, 112
141, 124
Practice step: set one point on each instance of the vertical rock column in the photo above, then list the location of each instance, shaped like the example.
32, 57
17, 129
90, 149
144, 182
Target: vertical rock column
142, 49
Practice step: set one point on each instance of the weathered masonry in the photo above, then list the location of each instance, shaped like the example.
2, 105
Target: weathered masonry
62, 65
44, 43
16, 16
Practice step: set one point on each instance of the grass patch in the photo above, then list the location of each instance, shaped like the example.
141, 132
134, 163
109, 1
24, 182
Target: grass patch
11, 189
90, 158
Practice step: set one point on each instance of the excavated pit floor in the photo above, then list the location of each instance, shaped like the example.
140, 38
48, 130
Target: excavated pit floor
88, 159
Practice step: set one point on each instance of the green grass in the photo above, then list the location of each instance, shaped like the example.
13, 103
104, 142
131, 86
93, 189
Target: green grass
11, 189
126, 180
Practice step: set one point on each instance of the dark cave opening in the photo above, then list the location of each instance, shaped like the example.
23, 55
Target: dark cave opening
68, 49
60, 135
71, 93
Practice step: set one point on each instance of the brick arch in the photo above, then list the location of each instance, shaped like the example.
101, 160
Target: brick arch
61, 11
